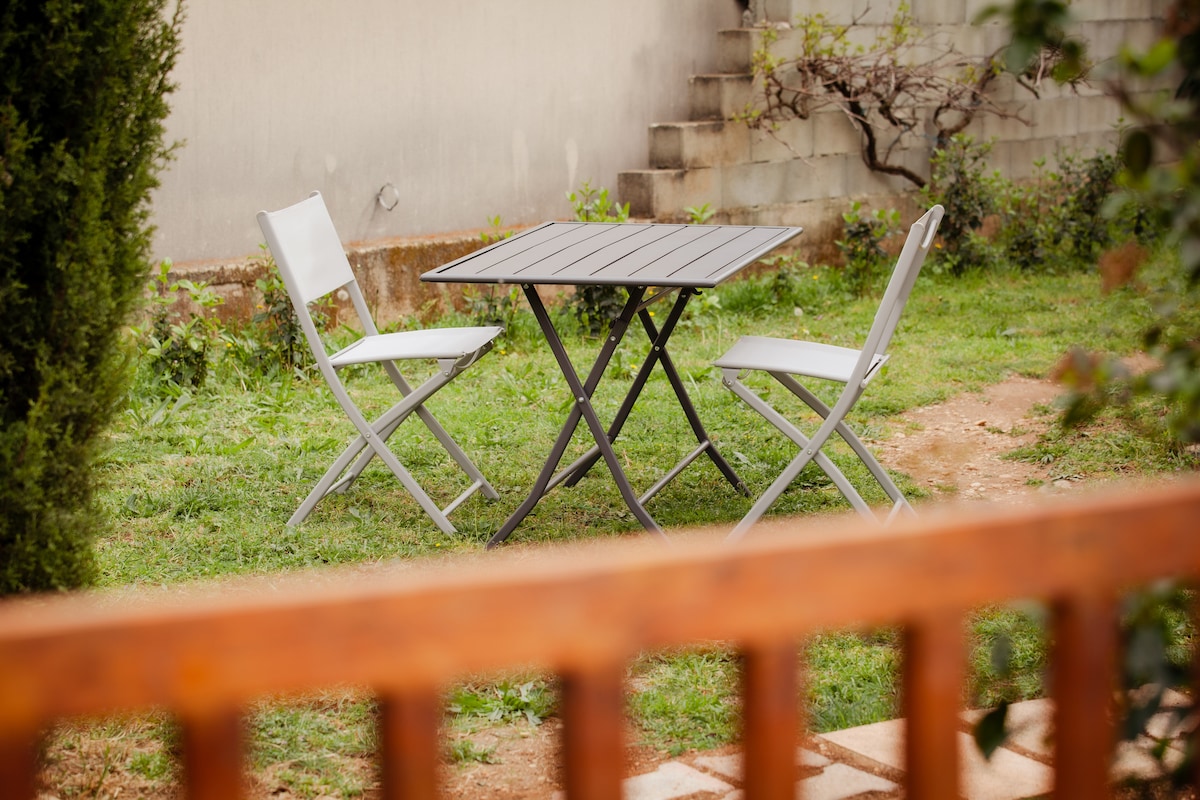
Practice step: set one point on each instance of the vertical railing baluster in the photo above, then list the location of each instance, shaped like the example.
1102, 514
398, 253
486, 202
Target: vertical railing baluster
213, 743
770, 721
409, 752
1084, 661
593, 755
18, 763
932, 696
1194, 736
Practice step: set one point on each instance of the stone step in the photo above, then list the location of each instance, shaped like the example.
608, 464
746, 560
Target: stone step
713, 143
662, 194
846, 764
706, 143
735, 49
720, 96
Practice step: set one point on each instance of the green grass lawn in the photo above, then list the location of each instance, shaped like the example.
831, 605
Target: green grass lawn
199, 487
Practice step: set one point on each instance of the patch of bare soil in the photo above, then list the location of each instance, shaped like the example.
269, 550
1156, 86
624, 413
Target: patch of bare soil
955, 450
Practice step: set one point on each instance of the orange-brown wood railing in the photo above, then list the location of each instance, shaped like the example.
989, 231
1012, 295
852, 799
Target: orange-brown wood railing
584, 614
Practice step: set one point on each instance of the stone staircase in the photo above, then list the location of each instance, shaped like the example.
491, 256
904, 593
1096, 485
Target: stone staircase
802, 174
809, 171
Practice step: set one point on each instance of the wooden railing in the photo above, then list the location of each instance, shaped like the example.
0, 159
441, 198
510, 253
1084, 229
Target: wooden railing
583, 614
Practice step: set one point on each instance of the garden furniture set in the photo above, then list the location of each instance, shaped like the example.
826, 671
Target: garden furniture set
653, 262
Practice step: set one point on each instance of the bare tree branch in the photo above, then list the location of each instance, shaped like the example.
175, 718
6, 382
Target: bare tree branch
892, 84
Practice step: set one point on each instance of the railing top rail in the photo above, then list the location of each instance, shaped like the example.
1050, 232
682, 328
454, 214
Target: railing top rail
405, 627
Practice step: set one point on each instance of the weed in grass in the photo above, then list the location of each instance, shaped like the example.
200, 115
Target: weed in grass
154, 766
686, 700
464, 751
1008, 655
308, 747
505, 701
852, 679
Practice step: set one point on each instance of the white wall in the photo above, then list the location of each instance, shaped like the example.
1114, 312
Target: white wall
470, 109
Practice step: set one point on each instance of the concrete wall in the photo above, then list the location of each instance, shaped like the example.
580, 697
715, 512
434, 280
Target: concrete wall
809, 170
468, 109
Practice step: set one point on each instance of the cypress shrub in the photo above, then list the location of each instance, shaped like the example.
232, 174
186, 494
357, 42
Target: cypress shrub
83, 87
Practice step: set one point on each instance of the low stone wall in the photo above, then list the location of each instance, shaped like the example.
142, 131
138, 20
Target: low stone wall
388, 271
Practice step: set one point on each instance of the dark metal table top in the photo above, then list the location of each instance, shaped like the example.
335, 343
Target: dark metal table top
617, 253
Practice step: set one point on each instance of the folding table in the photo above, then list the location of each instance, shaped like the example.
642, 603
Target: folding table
652, 261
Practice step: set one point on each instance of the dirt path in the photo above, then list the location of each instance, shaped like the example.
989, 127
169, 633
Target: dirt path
955, 450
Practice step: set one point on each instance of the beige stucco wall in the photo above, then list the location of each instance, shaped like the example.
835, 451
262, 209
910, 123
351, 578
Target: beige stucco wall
469, 108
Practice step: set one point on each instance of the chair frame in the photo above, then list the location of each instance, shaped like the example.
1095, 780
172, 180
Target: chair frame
318, 268
868, 361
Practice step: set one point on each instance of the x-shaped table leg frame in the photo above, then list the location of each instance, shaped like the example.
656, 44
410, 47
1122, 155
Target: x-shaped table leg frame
582, 392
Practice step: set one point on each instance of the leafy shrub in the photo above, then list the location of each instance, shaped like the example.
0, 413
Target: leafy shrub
83, 91
177, 351
1057, 219
597, 306
1033, 219
861, 244
283, 345
969, 194
1091, 183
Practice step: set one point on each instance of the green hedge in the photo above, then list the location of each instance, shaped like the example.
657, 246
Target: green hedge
83, 89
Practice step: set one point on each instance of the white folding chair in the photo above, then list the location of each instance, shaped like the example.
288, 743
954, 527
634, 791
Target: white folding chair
785, 358
313, 265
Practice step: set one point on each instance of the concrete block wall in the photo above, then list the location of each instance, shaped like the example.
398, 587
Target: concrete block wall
808, 171
806, 174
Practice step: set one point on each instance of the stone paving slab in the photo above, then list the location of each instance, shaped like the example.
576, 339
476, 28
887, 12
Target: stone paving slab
1006, 776
869, 758
730, 766
672, 780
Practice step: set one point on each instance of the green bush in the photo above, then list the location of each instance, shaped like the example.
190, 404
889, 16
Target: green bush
862, 246
177, 350
969, 194
82, 101
597, 306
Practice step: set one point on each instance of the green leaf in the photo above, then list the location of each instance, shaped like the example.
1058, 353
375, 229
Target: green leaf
990, 732
1138, 152
1155, 60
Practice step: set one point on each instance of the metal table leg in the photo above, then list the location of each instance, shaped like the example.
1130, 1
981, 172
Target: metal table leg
582, 392
658, 354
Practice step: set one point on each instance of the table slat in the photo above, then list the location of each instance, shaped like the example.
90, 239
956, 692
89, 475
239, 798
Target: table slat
623, 254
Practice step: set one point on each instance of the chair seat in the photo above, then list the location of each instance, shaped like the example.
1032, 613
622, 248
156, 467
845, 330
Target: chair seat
430, 343
812, 359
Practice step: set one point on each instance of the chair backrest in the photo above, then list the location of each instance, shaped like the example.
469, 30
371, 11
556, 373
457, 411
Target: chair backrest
307, 248
908, 266
309, 254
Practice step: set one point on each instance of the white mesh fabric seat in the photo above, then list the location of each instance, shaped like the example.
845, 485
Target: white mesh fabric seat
784, 359
309, 254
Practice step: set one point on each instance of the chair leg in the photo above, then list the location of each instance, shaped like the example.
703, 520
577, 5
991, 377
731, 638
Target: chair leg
793, 470
435, 427
414, 488
811, 451
387, 423
373, 438
849, 437
378, 447
414, 401
329, 481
